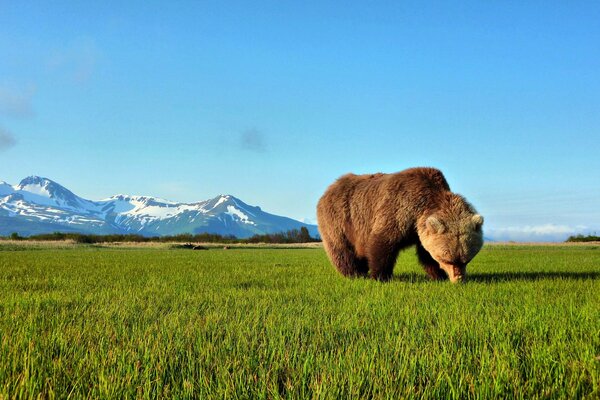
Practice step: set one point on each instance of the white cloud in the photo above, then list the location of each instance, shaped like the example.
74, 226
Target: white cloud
535, 233
541, 229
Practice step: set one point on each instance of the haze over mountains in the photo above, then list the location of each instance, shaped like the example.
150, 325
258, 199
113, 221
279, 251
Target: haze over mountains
40, 205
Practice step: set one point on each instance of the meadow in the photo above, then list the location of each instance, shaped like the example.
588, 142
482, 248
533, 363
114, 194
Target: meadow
107, 322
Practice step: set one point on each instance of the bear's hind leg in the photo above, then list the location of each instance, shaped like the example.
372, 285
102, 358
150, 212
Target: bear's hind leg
432, 267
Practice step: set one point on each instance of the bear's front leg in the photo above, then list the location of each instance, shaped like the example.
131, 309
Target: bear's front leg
432, 267
381, 255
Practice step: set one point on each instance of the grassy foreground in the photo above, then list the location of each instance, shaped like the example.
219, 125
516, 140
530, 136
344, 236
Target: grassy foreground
274, 323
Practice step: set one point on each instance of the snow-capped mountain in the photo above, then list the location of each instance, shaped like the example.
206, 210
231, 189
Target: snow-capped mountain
40, 205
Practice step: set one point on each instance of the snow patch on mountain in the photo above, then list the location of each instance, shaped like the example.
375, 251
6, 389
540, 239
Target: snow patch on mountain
221, 200
146, 209
232, 211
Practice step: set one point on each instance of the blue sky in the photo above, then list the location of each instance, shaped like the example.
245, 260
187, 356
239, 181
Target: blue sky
271, 101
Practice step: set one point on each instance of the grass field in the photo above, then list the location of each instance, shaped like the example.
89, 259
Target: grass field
79, 322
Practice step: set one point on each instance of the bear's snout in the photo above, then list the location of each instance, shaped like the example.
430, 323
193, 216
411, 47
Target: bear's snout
456, 272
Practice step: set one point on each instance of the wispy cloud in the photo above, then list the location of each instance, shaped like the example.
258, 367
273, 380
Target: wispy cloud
77, 59
253, 140
16, 101
7, 139
535, 233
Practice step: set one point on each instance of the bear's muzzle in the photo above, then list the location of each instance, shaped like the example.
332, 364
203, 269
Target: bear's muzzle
456, 272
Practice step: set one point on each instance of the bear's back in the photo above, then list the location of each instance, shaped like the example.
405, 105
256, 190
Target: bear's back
360, 199
412, 180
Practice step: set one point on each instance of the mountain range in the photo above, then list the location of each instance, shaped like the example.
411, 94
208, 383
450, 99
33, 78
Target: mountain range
39, 205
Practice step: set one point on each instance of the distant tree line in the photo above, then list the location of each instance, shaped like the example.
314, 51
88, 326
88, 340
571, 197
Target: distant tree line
293, 236
582, 238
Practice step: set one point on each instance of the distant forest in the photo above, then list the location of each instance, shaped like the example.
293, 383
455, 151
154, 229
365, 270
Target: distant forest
293, 236
581, 238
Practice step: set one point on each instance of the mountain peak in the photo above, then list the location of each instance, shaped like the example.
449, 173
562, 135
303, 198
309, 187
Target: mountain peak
222, 199
35, 180
5, 189
44, 188
41, 186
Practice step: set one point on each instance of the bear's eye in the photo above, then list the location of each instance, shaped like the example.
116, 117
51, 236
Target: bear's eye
446, 256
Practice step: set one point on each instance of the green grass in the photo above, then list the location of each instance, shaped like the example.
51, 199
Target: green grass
271, 323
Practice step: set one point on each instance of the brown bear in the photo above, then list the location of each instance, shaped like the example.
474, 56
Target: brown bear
365, 220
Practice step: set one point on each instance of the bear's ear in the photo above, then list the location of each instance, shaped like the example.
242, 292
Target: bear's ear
477, 220
435, 225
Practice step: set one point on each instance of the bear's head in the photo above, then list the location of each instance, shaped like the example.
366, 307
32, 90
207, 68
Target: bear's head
452, 235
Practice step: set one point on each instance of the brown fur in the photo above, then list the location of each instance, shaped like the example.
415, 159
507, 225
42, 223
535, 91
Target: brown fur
365, 220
